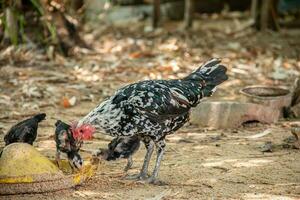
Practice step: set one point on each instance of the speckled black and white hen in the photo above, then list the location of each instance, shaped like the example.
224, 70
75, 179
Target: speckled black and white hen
25, 131
153, 109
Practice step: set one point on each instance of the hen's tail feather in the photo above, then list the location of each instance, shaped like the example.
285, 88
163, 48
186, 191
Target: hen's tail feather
210, 74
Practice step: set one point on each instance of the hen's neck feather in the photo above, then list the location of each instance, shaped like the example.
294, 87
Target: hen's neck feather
104, 116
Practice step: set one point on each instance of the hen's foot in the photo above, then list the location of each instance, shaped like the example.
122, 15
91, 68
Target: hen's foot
153, 181
136, 177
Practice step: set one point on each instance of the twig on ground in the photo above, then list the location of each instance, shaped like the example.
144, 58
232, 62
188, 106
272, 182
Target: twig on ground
161, 195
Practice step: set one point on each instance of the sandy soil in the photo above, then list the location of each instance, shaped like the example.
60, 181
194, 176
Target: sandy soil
199, 163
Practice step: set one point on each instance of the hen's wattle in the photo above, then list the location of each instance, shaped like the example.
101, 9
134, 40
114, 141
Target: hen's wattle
84, 132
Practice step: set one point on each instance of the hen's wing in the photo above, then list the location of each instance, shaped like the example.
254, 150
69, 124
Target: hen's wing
160, 100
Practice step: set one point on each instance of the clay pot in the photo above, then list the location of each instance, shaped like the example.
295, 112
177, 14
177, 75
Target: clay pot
271, 96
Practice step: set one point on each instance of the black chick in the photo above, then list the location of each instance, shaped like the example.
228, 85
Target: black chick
66, 143
25, 131
120, 147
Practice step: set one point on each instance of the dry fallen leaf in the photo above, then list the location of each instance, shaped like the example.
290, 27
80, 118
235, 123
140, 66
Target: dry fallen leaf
166, 68
65, 102
140, 54
68, 102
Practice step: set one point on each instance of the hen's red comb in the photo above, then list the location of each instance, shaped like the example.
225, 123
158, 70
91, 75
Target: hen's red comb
84, 132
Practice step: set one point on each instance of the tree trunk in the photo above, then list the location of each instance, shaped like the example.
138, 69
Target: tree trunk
11, 30
265, 14
188, 13
268, 16
254, 7
274, 16
156, 13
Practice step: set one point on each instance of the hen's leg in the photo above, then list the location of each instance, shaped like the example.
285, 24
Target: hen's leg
143, 174
129, 164
150, 147
160, 145
57, 158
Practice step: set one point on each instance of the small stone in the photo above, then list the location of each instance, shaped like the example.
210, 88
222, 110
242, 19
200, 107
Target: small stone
286, 146
215, 138
290, 139
267, 147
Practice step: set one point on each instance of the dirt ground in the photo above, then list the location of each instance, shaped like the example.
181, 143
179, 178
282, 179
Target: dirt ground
199, 163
